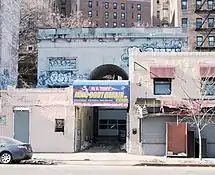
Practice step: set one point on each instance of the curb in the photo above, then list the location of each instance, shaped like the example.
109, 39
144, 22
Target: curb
174, 165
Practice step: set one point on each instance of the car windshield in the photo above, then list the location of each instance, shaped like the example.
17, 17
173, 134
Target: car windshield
8, 140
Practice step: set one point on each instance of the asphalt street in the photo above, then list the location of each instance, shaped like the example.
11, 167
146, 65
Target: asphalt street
104, 170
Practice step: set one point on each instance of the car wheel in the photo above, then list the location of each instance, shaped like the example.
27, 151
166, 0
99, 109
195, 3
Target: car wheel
6, 158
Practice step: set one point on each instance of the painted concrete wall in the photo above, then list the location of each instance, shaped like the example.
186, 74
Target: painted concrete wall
186, 75
66, 55
45, 106
9, 30
187, 78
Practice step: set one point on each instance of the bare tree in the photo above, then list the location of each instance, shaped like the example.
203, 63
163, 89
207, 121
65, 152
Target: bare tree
198, 111
37, 14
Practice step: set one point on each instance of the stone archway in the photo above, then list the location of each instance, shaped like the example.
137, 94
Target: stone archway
108, 72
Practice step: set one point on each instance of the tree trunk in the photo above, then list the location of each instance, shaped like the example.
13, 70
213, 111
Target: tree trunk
200, 144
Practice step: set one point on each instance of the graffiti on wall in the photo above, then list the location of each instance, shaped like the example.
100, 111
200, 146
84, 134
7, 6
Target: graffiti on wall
156, 45
62, 72
62, 63
60, 78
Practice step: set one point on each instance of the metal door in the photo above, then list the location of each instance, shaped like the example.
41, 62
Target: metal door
21, 125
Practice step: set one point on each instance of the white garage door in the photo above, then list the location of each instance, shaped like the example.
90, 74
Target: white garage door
154, 135
110, 121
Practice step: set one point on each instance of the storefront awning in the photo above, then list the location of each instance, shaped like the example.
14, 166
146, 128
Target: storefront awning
207, 70
162, 72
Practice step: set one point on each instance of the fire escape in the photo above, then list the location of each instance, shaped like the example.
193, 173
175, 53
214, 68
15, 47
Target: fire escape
205, 9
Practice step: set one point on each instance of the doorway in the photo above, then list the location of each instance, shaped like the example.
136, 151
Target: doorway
21, 124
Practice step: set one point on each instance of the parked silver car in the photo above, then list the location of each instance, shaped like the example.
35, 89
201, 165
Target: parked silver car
14, 151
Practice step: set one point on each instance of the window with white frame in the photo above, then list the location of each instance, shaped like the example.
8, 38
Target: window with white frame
198, 4
106, 15
115, 5
138, 7
211, 40
114, 15
106, 24
90, 14
210, 22
123, 16
210, 4
184, 4
184, 22
199, 40
90, 4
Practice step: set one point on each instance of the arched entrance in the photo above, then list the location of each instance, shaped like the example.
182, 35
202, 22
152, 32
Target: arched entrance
109, 122
108, 72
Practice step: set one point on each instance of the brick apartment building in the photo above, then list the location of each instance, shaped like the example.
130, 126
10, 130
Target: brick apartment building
197, 18
111, 13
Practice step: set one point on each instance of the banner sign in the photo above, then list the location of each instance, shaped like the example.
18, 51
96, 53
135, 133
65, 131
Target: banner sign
100, 93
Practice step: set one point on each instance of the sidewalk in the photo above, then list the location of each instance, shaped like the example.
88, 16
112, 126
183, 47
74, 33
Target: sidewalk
121, 159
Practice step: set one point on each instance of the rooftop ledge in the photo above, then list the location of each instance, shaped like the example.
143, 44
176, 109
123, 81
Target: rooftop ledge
45, 33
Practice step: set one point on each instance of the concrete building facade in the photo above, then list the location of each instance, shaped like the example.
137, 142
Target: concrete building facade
144, 75
62, 54
44, 117
9, 31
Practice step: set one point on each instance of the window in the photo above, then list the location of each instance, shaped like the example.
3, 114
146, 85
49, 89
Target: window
199, 40
184, 22
211, 41
198, 23
184, 4
210, 22
208, 86
123, 24
112, 124
132, 15
158, 2
97, 13
210, 4
114, 15
97, 3
158, 14
198, 4
114, 24
106, 24
138, 17
63, 11
106, 15
106, 5
90, 4
123, 16
114, 5
138, 7
162, 86
122, 6
90, 14
97, 23
132, 5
